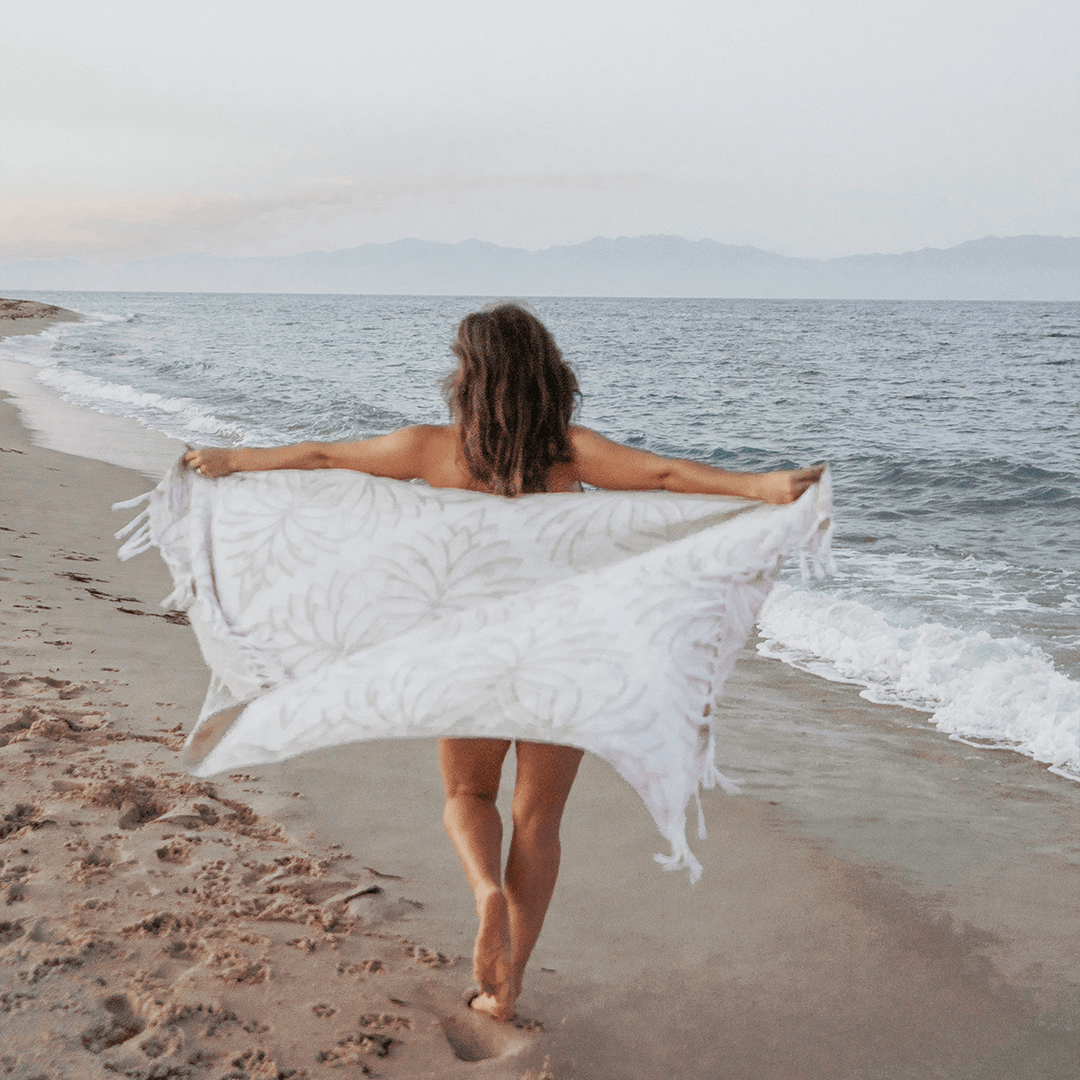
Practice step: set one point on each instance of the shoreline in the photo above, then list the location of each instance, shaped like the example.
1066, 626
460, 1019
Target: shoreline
56, 424
879, 902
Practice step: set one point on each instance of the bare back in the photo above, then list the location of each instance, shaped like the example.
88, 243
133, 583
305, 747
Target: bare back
433, 453
444, 465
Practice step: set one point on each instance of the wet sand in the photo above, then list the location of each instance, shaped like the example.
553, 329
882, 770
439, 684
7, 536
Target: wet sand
880, 902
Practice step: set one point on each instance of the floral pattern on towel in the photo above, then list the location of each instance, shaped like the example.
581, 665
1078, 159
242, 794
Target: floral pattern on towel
343, 607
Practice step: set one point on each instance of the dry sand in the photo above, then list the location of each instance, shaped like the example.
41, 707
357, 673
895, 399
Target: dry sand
881, 903
30, 317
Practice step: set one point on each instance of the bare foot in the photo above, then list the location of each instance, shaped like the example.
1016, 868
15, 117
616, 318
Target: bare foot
491, 954
490, 1005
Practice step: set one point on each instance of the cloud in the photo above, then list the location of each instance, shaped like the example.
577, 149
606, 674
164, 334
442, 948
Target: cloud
334, 211
146, 223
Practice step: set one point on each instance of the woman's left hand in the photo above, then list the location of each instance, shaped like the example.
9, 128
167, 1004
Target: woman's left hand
786, 485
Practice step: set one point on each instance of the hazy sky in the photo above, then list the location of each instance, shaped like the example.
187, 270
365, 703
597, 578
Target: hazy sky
807, 127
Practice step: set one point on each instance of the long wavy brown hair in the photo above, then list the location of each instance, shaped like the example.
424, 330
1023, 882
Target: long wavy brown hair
513, 397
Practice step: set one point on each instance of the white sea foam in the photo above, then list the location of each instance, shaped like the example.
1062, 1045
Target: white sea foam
930, 578
33, 348
1003, 692
103, 317
154, 410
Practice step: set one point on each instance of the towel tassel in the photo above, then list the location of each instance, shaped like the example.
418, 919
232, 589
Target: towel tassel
137, 531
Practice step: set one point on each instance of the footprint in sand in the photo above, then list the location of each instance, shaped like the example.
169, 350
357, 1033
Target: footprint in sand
352, 1048
474, 1037
9, 931
177, 850
96, 864
467, 1043
429, 957
121, 1024
365, 967
471, 1035
372, 1039
371, 907
23, 816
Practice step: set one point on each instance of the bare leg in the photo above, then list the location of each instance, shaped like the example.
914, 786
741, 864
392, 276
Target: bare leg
510, 921
545, 775
471, 771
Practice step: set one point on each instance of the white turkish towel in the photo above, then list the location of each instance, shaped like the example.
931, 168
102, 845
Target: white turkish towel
343, 607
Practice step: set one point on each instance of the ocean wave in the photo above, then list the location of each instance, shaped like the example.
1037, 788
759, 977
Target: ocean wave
177, 416
1003, 692
986, 585
983, 481
104, 318
36, 348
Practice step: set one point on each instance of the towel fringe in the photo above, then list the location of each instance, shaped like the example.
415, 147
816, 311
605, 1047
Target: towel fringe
140, 539
819, 545
681, 858
137, 530
182, 597
709, 776
130, 504
727, 785
702, 832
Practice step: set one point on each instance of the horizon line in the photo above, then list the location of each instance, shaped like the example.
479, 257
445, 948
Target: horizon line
120, 259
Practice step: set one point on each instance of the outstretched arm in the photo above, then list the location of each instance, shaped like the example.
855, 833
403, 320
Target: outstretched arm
403, 455
608, 464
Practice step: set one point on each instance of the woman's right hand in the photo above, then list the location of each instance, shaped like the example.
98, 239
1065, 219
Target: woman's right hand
211, 462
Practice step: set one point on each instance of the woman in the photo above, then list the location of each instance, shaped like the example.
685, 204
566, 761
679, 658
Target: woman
511, 402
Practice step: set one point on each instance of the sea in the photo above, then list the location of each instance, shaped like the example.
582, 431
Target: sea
952, 430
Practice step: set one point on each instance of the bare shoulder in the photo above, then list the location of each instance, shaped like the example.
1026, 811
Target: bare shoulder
433, 434
431, 446
577, 431
418, 434
585, 441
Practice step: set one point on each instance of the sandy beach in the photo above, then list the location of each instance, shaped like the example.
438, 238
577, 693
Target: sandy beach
880, 902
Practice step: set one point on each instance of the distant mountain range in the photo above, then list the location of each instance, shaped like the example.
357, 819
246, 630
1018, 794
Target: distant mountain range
993, 268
